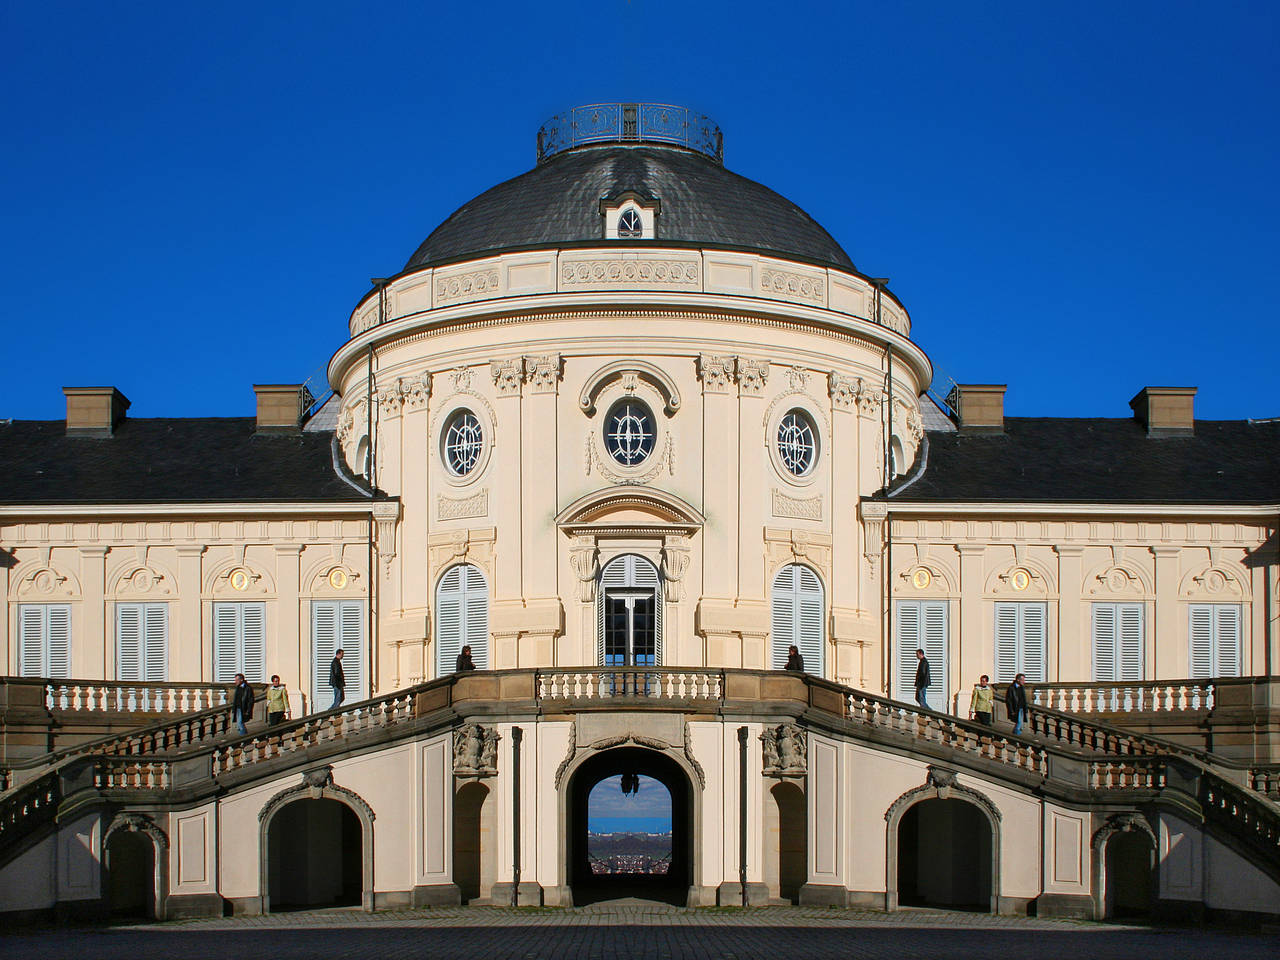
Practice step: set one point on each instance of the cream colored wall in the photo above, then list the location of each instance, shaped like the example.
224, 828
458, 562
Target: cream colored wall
1073, 561
735, 376
186, 561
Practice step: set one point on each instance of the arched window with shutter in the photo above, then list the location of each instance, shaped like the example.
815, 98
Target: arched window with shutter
462, 618
629, 614
798, 615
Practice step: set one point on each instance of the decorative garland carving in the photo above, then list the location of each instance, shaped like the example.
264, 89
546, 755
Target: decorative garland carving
137, 823
793, 286
569, 754
607, 743
602, 463
451, 508
656, 272
479, 283
801, 509
688, 755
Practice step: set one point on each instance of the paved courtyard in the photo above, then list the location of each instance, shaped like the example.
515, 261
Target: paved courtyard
624, 930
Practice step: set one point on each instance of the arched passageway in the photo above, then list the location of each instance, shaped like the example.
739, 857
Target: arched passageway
944, 855
1129, 859
315, 855
660, 868
786, 842
473, 841
131, 869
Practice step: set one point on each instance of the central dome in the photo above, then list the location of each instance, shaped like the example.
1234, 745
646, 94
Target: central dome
700, 203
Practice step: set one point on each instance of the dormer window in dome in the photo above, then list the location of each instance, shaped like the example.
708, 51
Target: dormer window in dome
630, 226
629, 216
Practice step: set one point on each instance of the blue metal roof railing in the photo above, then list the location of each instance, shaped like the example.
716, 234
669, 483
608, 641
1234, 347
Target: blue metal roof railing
630, 123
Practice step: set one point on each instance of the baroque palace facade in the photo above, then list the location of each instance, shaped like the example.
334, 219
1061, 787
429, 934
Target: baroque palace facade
630, 425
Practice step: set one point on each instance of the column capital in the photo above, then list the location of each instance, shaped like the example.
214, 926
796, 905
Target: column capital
971, 549
1165, 550
1069, 549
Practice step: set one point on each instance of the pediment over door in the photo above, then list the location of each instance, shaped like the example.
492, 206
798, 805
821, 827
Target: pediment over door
626, 510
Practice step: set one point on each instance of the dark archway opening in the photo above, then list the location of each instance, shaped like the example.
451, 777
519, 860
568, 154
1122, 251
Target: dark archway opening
472, 842
646, 880
1129, 857
944, 856
793, 839
315, 856
131, 872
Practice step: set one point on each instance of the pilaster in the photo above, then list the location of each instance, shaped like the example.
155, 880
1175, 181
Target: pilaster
1073, 647
1168, 656
538, 488
977, 646
720, 433
93, 636
286, 647
190, 652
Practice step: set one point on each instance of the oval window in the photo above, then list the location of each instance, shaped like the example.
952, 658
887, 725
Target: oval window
629, 432
462, 443
797, 443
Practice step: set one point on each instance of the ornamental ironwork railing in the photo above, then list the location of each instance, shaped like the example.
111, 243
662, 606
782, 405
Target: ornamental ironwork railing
630, 123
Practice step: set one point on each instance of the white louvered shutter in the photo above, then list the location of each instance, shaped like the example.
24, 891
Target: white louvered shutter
351, 639
1226, 640
58, 648
155, 643
475, 616
1033, 632
934, 622
324, 644
908, 638
809, 617
449, 620
44, 640
783, 609
1130, 642
226, 631
1200, 631
1006, 667
254, 639
1104, 642
31, 624
129, 646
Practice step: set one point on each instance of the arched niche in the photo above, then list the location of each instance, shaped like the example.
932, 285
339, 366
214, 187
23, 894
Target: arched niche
656, 377
1120, 825
141, 825
940, 785
316, 785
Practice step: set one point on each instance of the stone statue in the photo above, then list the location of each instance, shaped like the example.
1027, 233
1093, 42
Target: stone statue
785, 750
475, 751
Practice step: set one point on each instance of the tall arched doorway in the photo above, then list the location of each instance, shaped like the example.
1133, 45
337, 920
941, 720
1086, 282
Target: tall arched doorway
944, 849
1129, 879
315, 855
661, 869
131, 871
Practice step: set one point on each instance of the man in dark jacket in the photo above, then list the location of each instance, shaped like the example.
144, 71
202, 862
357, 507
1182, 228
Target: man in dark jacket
337, 680
242, 703
1015, 702
922, 679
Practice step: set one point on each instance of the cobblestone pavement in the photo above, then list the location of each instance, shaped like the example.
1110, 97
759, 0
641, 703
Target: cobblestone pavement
625, 930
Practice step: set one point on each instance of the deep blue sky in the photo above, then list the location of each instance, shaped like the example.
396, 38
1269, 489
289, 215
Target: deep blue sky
648, 810
1076, 199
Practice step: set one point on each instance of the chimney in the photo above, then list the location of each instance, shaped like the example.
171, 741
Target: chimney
281, 406
980, 406
94, 411
1166, 411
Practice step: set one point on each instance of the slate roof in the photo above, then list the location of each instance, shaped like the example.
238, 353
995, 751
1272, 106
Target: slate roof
702, 203
205, 460
1044, 460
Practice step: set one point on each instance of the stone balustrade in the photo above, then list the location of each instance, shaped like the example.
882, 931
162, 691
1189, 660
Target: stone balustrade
646, 683
964, 736
318, 729
1156, 696
131, 775
98, 696
1130, 774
